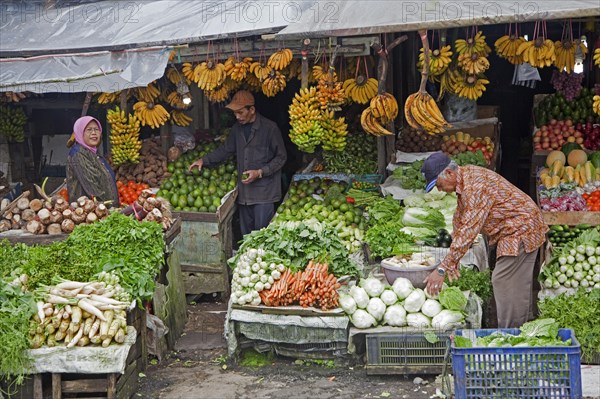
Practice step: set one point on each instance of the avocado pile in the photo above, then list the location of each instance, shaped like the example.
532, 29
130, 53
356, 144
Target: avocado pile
198, 191
556, 106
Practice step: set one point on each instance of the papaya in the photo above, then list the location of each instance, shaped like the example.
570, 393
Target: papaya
556, 155
576, 157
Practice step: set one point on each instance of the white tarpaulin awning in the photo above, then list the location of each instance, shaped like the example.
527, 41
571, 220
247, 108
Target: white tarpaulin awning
103, 71
61, 37
351, 17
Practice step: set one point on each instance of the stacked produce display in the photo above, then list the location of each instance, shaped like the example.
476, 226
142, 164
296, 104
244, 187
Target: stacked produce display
73, 292
151, 168
198, 190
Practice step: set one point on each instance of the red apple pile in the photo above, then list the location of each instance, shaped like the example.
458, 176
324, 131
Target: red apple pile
592, 135
556, 133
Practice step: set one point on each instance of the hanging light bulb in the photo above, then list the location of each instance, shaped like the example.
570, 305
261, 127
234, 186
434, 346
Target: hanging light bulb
184, 91
579, 56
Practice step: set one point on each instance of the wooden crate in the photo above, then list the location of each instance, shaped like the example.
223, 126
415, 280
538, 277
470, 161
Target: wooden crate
204, 248
571, 218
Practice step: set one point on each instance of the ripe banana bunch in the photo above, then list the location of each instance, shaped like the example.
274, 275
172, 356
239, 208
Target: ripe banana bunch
565, 55
253, 83
260, 70
507, 46
273, 84
596, 104
180, 119
188, 71
153, 115
147, 94
318, 71
335, 131
448, 82
12, 123
473, 45
175, 100
209, 74
280, 59
239, 69
439, 59
597, 57
305, 117
422, 113
360, 90
384, 107
470, 86
330, 93
107, 98
175, 76
473, 64
371, 125
539, 52
124, 136
217, 95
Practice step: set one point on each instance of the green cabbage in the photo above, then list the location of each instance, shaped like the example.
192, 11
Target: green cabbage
452, 298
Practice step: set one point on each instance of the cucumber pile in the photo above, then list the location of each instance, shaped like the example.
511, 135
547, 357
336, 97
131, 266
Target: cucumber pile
561, 234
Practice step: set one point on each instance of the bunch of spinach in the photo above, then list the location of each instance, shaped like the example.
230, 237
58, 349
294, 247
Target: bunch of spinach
298, 243
16, 308
581, 312
479, 282
385, 239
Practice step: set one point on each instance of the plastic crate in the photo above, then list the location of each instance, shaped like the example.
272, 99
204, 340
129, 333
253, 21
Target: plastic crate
522, 372
406, 353
369, 182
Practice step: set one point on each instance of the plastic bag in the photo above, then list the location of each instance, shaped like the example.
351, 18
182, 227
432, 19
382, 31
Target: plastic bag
183, 138
156, 331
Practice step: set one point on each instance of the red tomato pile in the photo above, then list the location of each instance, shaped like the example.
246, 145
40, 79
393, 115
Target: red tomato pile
592, 200
129, 192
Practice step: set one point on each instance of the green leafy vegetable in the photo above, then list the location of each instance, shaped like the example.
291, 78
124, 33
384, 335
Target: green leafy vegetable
428, 218
431, 337
462, 342
470, 158
410, 176
540, 328
540, 332
386, 239
452, 298
581, 312
479, 282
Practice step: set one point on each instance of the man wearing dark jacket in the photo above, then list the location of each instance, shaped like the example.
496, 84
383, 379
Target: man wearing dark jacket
260, 154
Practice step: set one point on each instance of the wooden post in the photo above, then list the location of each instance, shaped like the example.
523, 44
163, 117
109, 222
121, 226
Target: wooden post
165, 137
86, 103
382, 72
111, 388
304, 70
56, 386
38, 391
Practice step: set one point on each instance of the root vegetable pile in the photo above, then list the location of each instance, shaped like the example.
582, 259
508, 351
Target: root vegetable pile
79, 314
312, 287
151, 209
151, 169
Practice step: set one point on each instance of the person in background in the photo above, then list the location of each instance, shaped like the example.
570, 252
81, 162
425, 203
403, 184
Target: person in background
488, 203
88, 173
260, 155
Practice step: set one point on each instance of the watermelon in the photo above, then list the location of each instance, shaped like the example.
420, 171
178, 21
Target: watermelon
568, 147
595, 159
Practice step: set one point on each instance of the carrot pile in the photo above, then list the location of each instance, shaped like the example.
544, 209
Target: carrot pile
313, 286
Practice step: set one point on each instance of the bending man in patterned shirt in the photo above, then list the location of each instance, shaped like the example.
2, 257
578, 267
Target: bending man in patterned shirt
489, 204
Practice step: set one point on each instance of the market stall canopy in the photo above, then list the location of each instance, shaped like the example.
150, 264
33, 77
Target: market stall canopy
351, 17
30, 29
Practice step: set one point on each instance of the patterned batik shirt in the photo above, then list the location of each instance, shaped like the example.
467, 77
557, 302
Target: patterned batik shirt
489, 204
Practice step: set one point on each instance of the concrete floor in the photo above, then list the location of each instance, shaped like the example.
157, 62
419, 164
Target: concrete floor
590, 379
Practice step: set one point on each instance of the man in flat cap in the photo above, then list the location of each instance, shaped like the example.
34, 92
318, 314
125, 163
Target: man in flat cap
260, 154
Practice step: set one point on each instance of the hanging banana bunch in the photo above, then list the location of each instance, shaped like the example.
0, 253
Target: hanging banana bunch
147, 94
124, 136
175, 100
151, 114
470, 86
293, 70
273, 84
305, 116
188, 71
384, 107
217, 95
253, 83
439, 61
597, 57
507, 46
209, 74
596, 104
473, 64
371, 124
175, 76
180, 119
420, 109
538, 52
360, 89
330, 93
108, 98
335, 131
473, 45
12, 123
565, 55
239, 69
260, 70
280, 59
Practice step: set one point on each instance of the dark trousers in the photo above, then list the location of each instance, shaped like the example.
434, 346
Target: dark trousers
255, 217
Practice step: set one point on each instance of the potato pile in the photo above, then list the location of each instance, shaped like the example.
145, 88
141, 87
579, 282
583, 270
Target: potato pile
151, 169
50, 216
412, 140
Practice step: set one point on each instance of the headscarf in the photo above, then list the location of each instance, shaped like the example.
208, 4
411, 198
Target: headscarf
79, 127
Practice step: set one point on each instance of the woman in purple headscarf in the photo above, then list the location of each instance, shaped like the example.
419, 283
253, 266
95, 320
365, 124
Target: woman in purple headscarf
88, 173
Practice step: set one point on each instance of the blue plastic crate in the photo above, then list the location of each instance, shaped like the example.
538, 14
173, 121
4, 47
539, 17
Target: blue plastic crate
522, 372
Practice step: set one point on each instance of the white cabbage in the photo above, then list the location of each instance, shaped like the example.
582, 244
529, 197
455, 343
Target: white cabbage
402, 287
362, 319
414, 301
448, 319
395, 316
418, 320
389, 297
360, 296
431, 308
347, 303
373, 286
376, 308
